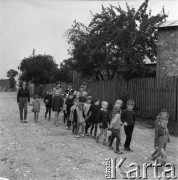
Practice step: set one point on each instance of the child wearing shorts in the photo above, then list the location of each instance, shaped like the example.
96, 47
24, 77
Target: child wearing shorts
79, 119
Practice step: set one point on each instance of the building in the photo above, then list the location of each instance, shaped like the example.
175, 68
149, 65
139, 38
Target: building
4, 85
167, 57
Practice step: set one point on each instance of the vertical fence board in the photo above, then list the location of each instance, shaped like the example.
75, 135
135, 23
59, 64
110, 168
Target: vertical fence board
149, 94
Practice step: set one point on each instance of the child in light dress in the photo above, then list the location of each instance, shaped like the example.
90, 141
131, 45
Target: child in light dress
36, 108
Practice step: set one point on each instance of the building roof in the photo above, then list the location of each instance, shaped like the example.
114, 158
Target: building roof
148, 61
170, 23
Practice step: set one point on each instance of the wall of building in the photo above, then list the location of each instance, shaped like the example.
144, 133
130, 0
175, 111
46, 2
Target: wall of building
167, 58
4, 85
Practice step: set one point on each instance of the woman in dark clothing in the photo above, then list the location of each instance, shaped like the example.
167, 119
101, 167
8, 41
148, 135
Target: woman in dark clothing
48, 103
57, 102
23, 97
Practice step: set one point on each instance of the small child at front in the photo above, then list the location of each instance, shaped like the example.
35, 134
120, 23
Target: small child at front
162, 137
119, 103
103, 119
36, 108
79, 118
128, 118
115, 127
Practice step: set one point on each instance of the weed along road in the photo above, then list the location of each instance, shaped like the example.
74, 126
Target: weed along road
42, 151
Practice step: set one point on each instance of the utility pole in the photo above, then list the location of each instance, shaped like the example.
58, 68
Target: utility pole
33, 52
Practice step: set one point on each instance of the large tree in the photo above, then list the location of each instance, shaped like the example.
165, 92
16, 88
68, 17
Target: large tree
11, 74
116, 41
38, 68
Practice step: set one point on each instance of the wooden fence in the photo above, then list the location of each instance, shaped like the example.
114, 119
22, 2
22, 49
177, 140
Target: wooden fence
149, 94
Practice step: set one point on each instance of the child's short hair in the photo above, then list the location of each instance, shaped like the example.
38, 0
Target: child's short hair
165, 112
116, 109
104, 102
96, 100
162, 116
119, 102
130, 102
36, 96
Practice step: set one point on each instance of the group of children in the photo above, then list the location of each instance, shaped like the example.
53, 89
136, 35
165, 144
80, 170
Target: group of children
82, 113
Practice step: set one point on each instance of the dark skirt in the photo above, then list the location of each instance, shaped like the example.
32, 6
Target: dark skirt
57, 103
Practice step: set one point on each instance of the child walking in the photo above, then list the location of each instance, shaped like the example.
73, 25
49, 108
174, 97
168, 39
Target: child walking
79, 118
94, 108
69, 104
87, 119
48, 104
128, 118
119, 103
103, 119
71, 117
64, 107
162, 137
115, 128
36, 108
57, 102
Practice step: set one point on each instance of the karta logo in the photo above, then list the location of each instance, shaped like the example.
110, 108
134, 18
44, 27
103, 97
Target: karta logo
114, 169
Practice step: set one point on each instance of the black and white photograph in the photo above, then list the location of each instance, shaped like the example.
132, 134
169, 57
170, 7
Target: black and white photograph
88, 89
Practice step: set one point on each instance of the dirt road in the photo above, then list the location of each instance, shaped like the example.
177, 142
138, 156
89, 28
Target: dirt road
44, 152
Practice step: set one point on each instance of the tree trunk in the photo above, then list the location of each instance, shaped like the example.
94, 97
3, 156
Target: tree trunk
102, 78
113, 74
96, 76
108, 74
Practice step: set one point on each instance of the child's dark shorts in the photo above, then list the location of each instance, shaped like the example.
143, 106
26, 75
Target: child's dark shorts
104, 125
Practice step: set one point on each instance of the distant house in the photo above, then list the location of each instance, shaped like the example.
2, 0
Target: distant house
4, 85
167, 57
149, 64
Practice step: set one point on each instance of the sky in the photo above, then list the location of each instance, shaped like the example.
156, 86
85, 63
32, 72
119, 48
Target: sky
41, 25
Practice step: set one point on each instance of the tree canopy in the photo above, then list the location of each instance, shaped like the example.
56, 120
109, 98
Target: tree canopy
37, 69
41, 69
11, 74
116, 41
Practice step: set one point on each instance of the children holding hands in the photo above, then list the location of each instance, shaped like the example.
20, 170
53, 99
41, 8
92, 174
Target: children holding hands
103, 120
115, 127
162, 137
128, 118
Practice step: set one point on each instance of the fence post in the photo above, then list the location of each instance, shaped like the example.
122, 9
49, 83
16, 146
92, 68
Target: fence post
176, 113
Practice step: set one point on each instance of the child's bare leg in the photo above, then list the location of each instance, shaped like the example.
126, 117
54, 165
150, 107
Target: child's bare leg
154, 153
37, 115
100, 134
56, 117
105, 136
49, 113
164, 156
157, 154
78, 129
83, 128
